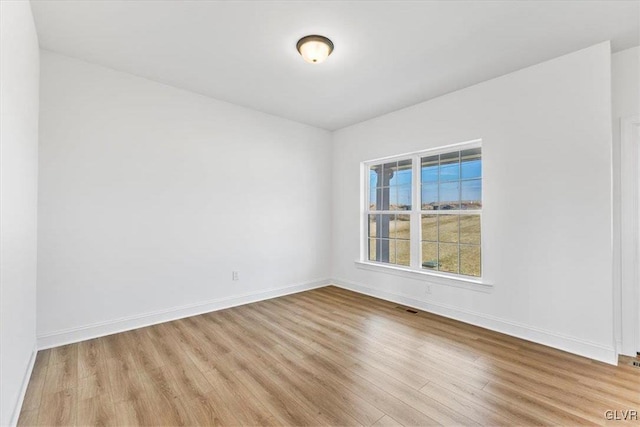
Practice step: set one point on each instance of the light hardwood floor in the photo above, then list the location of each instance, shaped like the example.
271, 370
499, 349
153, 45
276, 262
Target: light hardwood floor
323, 357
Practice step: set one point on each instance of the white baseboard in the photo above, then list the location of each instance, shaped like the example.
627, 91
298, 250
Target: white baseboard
23, 388
100, 329
537, 335
562, 342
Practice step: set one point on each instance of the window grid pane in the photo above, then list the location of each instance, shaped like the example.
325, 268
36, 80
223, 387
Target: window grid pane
430, 228
372, 250
448, 254
470, 229
449, 167
470, 260
430, 255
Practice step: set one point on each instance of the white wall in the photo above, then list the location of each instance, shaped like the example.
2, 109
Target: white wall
19, 59
546, 134
625, 97
150, 196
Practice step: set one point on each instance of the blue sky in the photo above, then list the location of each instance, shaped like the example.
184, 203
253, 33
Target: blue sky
448, 191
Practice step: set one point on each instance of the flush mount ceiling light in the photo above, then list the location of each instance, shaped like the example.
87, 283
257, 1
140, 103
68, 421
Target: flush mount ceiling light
314, 49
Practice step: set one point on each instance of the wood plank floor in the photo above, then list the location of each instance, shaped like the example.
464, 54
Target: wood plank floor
322, 357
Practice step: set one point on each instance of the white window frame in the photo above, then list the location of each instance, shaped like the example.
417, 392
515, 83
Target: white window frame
415, 269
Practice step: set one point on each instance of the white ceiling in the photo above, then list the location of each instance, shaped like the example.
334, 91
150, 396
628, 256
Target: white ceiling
388, 55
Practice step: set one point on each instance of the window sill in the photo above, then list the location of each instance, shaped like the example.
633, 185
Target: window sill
427, 276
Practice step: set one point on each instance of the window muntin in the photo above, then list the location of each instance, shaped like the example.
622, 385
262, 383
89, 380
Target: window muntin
451, 239
452, 181
389, 233
441, 196
390, 186
389, 238
451, 243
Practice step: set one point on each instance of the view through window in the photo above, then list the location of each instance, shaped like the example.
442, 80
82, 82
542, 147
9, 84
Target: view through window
442, 231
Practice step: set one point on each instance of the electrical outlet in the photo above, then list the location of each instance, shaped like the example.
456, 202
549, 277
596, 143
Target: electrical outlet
234, 275
428, 290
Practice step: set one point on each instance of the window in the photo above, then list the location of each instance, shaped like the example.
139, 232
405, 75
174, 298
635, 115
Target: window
423, 210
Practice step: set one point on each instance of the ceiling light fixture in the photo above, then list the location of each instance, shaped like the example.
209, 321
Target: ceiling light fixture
314, 49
